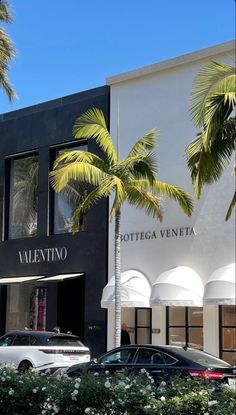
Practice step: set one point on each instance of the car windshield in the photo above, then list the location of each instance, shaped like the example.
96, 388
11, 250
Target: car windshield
64, 341
202, 358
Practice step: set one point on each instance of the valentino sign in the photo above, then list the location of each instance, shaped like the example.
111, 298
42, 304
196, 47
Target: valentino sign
162, 233
43, 255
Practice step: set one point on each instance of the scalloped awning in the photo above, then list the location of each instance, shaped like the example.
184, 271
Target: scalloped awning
179, 286
135, 290
221, 288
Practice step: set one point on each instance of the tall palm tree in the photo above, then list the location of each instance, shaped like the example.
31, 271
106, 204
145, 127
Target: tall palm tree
7, 51
131, 180
213, 104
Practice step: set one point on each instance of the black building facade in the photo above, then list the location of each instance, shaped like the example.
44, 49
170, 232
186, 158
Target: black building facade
66, 271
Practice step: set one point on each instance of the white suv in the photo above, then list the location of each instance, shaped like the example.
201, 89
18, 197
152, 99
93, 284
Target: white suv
42, 349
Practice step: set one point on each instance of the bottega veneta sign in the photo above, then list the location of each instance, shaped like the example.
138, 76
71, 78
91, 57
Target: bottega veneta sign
43, 255
158, 234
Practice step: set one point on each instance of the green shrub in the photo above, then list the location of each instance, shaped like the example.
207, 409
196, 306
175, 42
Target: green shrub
121, 394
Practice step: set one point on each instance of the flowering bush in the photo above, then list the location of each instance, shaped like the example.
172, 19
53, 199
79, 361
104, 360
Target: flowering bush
102, 394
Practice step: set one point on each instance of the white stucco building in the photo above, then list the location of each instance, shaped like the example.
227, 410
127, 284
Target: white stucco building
170, 263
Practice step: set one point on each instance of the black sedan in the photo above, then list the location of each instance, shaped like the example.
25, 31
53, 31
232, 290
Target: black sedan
161, 362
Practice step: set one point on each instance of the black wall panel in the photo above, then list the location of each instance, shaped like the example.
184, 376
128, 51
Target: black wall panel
39, 128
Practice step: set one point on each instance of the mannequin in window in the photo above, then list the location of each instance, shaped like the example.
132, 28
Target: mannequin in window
125, 338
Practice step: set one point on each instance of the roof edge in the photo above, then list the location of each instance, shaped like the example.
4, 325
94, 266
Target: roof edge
171, 63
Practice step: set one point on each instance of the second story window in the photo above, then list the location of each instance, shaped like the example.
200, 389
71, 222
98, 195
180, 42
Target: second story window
23, 206
66, 201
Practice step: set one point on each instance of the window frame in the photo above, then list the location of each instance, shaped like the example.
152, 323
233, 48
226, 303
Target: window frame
53, 150
7, 192
186, 327
221, 327
143, 326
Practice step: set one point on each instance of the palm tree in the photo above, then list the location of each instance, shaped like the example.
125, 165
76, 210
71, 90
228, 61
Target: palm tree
213, 103
131, 180
7, 51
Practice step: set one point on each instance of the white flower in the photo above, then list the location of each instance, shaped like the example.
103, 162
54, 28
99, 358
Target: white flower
34, 390
43, 388
75, 392
211, 403
77, 385
107, 372
11, 391
162, 398
127, 386
163, 383
87, 410
107, 384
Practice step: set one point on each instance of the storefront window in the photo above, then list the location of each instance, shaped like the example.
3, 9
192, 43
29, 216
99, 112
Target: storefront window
26, 307
143, 325
185, 326
228, 333
23, 197
66, 201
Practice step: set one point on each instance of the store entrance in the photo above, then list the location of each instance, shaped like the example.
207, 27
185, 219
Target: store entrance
70, 306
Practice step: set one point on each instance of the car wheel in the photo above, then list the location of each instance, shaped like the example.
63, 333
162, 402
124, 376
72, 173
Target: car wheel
24, 366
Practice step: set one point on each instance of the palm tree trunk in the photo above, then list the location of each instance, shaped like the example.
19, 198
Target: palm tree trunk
117, 279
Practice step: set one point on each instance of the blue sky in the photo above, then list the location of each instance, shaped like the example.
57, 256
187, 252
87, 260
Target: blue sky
69, 46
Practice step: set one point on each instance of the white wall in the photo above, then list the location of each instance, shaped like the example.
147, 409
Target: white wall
161, 99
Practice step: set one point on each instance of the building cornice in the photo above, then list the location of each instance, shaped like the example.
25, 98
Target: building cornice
171, 63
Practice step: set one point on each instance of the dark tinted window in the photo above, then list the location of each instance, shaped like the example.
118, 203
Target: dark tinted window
35, 341
149, 357
68, 199
64, 341
202, 358
120, 356
21, 340
7, 340
23, 197
154, 357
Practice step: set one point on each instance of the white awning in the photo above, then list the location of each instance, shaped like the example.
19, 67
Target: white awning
135, 290
180, 286
18, 280
221, 288
62, 277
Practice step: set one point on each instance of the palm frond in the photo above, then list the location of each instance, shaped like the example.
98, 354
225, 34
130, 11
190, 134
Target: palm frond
206, 166
139, 166
73, 156
74, 192
204, 86
159, 188
92, 124
139, 197
7, 53
218, 109
101, 191
145, 143
5, 12
176, 193
82, 172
